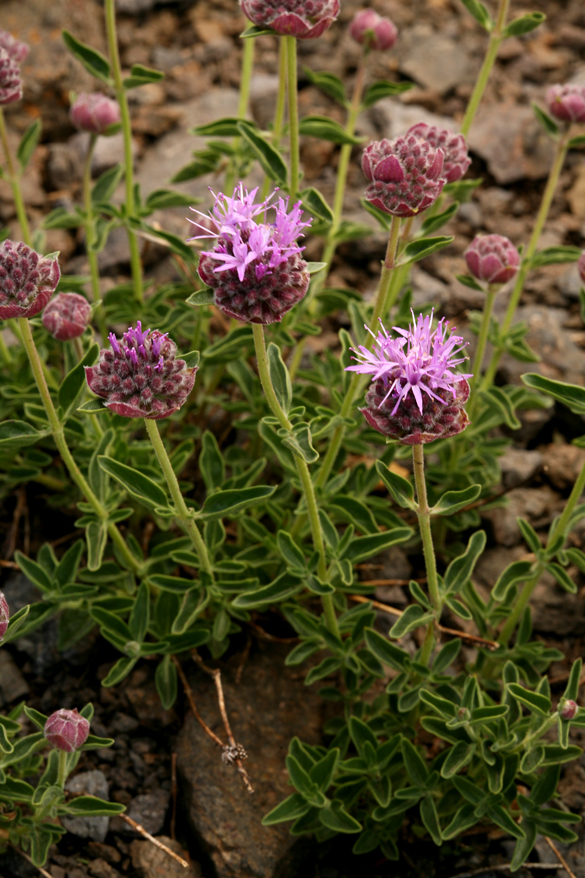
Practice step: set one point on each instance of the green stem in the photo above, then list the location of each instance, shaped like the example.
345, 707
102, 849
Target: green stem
184, 516
279, 111
302, 469
62, 773
496, 37
424, 523
481, 346
293, 114
245, 83
127, 134
5, 351
61, 443
14, 180
89, 239
541, 217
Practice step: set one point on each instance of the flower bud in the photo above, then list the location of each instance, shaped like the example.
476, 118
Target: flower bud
15, 48
140, 376
27, 280
568, 709
66, 730
10, 81
94, 112
371, 30
581, 266
492, 259
304, 19
455, 158
567, 102
4, 616
67, 316
406, 175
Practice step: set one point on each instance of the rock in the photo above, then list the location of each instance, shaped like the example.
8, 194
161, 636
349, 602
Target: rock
101, 869
519, 465
563, 464
266, 708
436, 60
91, 783
152, 862
530, 503
149, 810
555, 611
392, 118
576, 194
263, 91
64, 165
515, 150
12, 684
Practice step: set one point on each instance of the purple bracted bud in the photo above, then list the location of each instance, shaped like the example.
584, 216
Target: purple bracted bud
371, 30
67, 316
140, 377
455, 158
27, 280
66, 730
415, 396
255, 269
94, 113
4, 616
17, 50
567, 102
406, 174
492, 259
568, 709
581, 266
10, 81
304, 19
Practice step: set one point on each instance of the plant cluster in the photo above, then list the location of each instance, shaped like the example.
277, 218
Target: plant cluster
276, 512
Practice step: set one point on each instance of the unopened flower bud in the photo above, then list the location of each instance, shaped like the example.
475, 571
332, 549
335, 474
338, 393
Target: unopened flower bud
304, 19
94, 113
567, 102
406, 175
463, 713
456, 161
581, 266
15, 48
10, 81
140, 376
4, 615
67, 316
27, 280
568, 710
371, 30
66, 730
492, 259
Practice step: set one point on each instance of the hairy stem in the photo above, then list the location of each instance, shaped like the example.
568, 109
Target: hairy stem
14, 180
424, 523
278, 125
293, 114
89, 239
496, 37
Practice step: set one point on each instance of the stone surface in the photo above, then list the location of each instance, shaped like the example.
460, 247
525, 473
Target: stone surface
436, 60
152, 862
519, 465
90, 783
149, 810
563, 464
533, 504
12, 684
562, 359
266, 709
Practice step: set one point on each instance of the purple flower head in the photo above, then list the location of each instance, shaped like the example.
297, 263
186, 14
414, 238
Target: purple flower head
66, 730
17, 50
581, 266
492, 259
371, 30
304, 19
568, 709
67, 316
4, 616
406, 175
567, 102
255, 268
27, 280
10, 81
455, 158
416, 395
94, 112
140, 376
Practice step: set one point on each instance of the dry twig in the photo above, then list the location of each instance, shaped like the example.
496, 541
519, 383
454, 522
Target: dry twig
174, 793
154, 840
559, 856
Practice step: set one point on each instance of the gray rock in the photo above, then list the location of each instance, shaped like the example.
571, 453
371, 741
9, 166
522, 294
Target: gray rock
12, 684
149, 810
263, 91
91, 783
391, 118
152, 862
519, 465
435, 60
530, 503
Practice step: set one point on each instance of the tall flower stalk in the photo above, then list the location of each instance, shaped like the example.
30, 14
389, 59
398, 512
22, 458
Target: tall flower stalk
497, 34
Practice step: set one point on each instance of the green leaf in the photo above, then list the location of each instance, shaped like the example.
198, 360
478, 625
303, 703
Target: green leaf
498, 398
17, 434
479, 12
162, 199
201, 297
388, 653
166, 682
577, 142
93, 61
106, 183
430, 818
503, 819
326, 129
547, 122
28, 143
537, 703
572, 690
299, 441
270, 159
570, 395
400, 489
141, 75
335, 817
422, 247
73, 384
517, 571
454, 501
96, 535
290, 551
315, 204
524, 24
555, 255
316, 267
524, 845
322, 772
120, 670
211, 462
228, 503
34, 572
361, 548
444, 708
481, 715
412, 617
282, 587
470, 282
37, 718
279, 377
134, 482
225, 127
357, 513
86, 806
415, 764
562, 577
329, 83
458, 757
293, 807
529, 534
461, 568
93, 407
383, 89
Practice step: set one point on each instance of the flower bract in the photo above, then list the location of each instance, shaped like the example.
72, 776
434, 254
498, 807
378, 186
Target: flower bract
66, 730
304, 19
406, 175
492, 259
456, 161
4, 615
27, 280
67, 316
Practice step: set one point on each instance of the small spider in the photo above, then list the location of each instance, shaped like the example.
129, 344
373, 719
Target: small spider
231, 752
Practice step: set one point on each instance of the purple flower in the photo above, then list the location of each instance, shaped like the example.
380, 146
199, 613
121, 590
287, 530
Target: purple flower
17, 50
371, 30
255, 268
492, 259
4, 616
455, 158
140, 376
67, 316
416, 395
10, 81
567, 102
581, 266
66, 730
406, 174
94, 113
304, 19
27, 280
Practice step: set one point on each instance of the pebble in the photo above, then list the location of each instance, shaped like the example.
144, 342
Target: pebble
91, 783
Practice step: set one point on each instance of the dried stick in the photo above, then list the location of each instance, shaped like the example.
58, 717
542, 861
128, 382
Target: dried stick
174, 793
559, 856
154, 840
22, 853
191, 700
